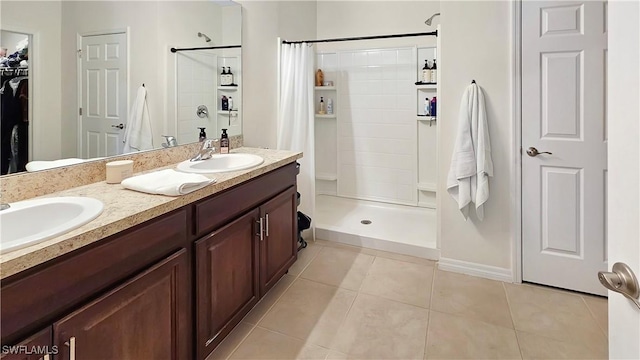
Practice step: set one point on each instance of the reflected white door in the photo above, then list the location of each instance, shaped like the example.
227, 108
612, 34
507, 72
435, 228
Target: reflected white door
624, 169
104, 94
563, 112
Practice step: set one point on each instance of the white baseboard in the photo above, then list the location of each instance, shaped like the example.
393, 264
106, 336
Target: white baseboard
475, 269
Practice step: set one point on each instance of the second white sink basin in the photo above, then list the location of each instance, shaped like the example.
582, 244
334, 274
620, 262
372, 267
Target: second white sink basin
29, 222
221, 163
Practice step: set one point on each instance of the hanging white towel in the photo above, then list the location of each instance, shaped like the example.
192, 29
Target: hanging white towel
471, 165
138, 136
167, 182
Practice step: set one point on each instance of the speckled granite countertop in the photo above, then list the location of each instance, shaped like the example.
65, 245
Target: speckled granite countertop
124, 209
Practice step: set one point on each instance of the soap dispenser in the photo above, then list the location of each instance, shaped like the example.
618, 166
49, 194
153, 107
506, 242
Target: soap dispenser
203, 135
224, 142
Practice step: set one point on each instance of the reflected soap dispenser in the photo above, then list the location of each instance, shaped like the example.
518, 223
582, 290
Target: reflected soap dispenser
203, 135
224, 142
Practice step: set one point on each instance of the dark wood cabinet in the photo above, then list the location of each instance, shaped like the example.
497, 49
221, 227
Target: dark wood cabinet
227, 279
144, 318
37, 347
278, 250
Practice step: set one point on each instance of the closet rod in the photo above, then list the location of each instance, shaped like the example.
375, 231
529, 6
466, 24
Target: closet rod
432, 33
173, 50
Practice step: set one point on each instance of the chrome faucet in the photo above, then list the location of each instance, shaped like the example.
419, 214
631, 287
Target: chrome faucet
171, 141
206, 151
4, 206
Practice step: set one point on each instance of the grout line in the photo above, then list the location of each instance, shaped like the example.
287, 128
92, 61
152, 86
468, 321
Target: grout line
593, 315
515, 330
272, 305
433, 287
320, 248
239, 342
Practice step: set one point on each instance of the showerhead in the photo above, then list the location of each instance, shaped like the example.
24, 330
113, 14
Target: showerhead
206, 38
428, 22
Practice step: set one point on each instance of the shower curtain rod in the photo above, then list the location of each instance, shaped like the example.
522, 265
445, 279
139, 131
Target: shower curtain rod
173, 50
432, 33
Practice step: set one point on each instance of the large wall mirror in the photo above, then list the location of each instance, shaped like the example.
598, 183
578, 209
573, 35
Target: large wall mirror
91, 79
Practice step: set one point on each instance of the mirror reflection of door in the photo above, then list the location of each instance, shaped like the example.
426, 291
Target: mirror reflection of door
103, 115
14, 97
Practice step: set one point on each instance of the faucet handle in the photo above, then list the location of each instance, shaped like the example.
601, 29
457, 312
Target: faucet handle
208, 143
170, 141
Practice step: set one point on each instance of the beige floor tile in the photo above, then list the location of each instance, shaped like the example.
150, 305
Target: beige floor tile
304, 258
261, 308
376, 328
398, 280
457, 337
538, 347
406, 258
599, 309
232, 340
310, 311
555, 314
339, 267
471, 296
265, 344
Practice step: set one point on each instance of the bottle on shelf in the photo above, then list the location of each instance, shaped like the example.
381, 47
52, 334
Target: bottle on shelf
225, 103
230, 77
322, 110
330, 107
434, 72
223, 77
433, 107
427, 107
319, 77
230, 103
426, 72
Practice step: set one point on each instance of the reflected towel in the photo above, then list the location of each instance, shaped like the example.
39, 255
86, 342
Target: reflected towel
138, 136
44, 165
167, 182
471, 164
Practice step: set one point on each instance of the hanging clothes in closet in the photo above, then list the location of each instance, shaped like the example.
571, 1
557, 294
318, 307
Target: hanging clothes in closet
14, 119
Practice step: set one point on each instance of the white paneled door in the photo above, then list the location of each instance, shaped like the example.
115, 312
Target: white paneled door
564, 57
104, 94
624, 162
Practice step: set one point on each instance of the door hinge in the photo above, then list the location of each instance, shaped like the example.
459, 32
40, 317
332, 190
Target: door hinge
80, 53
80, 111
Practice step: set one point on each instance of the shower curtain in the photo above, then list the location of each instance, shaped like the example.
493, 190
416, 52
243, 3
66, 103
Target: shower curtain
296, 117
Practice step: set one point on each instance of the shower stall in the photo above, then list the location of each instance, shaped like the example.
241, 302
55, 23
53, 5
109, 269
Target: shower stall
375, 152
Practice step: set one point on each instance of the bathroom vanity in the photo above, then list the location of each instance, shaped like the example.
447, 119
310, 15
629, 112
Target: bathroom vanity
170, 287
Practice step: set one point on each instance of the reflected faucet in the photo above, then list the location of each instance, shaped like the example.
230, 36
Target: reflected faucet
4, 206
206, 151
171, 141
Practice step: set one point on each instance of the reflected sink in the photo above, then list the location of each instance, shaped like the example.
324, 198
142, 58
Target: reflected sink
221, 163
29, 222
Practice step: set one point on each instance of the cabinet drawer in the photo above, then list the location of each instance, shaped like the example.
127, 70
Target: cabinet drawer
30, 302
214, 212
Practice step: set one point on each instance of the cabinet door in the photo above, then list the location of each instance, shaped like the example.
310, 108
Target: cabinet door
144, 318
226, 279
278, 250
36, 347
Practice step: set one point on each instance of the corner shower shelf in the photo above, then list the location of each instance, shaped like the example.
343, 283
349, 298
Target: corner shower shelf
226, 112
427, 118
228, 88
427, 87
326, 116
427, 187
325, 88
326, 177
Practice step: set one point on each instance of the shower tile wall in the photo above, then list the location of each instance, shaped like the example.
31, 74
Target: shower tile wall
197, 82
376, 126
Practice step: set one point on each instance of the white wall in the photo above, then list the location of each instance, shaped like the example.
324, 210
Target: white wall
476, 44
42, 19
10, 40
262, 23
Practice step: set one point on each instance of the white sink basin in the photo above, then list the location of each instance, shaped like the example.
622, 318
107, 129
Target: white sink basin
221, 163
29, 222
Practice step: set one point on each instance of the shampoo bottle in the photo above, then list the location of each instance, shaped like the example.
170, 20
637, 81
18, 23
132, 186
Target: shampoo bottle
434, 72
322, 110
203, 135
223, 77
230, 76
224, 142
225, 103
426, 72
230, 103
330, 106
427, 107
433, 109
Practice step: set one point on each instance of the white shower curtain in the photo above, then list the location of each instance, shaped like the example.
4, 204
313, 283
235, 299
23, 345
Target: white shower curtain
296, 117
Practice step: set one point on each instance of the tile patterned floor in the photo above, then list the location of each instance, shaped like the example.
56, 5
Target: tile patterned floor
342, 302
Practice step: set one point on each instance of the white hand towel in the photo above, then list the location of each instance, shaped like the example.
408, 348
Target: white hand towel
138, 136
167, 182
49, 164
471, 164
